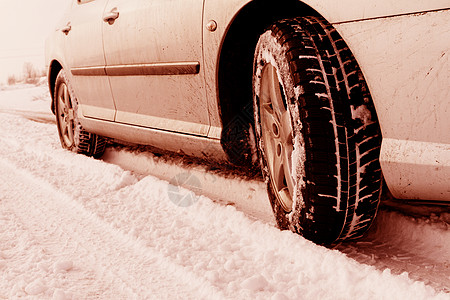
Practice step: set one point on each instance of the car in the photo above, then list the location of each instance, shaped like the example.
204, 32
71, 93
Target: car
328, 98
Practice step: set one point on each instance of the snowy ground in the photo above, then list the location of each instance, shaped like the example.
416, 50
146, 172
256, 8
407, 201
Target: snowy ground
73, 227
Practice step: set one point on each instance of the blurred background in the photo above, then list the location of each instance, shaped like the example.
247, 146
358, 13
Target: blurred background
24, 26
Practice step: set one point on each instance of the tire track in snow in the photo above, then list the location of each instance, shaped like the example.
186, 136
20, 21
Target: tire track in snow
138, 271
426, 260
402, 243
248, 196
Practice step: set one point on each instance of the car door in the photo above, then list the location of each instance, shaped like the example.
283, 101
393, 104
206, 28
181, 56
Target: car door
153, 50
85, 59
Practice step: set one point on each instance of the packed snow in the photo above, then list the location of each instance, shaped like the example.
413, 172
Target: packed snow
72, 227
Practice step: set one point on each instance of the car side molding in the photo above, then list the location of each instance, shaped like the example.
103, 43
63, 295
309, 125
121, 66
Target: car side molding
172, 68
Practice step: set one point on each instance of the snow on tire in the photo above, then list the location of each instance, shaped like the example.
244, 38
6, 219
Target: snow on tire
318, 134
73, 137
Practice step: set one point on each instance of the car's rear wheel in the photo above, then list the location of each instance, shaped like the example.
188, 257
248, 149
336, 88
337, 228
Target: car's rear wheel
318, 134
72, 136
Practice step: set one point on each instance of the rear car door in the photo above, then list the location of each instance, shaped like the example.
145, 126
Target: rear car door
153, 50
86, 60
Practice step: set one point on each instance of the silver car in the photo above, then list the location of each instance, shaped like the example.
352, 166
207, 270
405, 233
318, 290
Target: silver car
326, 97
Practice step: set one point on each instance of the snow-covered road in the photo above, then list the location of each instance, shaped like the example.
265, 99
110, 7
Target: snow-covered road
72, 227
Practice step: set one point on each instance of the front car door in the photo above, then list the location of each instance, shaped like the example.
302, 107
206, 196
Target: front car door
86, 60
153, 51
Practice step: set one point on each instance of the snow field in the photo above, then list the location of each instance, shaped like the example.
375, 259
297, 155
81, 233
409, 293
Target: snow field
73, 227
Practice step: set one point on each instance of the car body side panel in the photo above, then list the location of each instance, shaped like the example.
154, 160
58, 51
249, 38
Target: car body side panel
406, 63
153, 52
54, 43
203, 147
84, 52
416, 170
351, 10
405, 60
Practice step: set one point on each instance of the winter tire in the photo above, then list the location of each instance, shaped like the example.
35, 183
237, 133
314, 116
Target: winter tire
73, 137
317, 131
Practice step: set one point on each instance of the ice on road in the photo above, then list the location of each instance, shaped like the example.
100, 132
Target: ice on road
72, 227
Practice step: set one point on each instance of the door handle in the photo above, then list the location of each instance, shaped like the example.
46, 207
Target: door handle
111, 16
66, 29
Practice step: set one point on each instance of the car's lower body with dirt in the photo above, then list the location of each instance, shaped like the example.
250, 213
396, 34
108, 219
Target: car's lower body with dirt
328, 99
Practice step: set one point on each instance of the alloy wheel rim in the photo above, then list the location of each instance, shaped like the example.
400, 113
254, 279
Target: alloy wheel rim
65, 116
277, 135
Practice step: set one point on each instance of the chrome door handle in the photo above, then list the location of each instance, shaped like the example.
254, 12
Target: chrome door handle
111, 16
66, 29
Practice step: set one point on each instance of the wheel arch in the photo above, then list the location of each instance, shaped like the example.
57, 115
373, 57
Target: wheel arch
54, 68
235, 68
